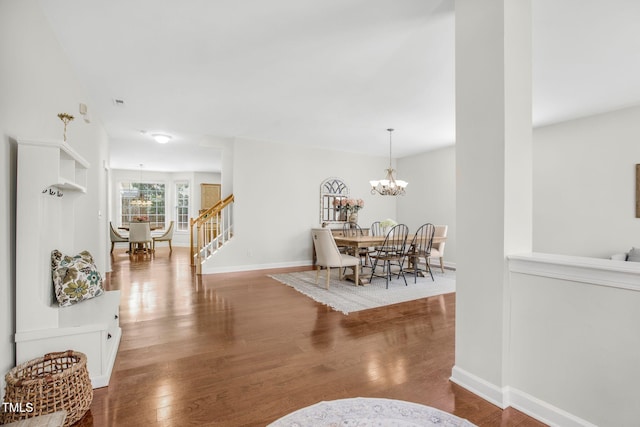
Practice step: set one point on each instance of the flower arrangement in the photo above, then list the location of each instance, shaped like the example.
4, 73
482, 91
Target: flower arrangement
141, 218
348, 205
388, 223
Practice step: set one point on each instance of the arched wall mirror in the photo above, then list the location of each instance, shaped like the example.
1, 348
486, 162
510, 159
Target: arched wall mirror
332, 189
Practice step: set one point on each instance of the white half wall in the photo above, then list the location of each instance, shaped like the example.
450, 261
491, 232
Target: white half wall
584, 185
574, 340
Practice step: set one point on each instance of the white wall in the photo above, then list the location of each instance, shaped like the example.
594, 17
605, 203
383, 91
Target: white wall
37, 83
277, 199
431, 193
7, 246
584, 185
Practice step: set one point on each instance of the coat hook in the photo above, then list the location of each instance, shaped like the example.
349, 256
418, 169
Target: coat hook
60, 194
51, 192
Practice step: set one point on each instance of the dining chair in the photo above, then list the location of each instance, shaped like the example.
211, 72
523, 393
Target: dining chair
116, 237
140, 236
437, 251
353, 230
376, 229
329, 256
165, 237
420, 248
392, 252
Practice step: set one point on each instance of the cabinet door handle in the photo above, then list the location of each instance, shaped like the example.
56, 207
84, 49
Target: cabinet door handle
116, 316
108, 336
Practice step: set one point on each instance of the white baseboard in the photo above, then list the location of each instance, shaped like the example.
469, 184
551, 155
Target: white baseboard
447, 265
249, 267
543, 411
509, 397
305, 263
476, 385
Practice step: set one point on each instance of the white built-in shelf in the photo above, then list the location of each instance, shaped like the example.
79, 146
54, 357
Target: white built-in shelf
50, 176
64, 167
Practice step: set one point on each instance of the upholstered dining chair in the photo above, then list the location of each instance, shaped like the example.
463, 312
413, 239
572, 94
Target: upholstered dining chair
437, 251
116, 237
328, 255
419, 249
392, 252
140, 236
165, 237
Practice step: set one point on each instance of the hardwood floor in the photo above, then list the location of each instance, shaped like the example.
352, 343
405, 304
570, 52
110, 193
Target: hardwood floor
242, 349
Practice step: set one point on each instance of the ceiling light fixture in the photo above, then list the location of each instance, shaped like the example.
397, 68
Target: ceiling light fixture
389, 186
161, 138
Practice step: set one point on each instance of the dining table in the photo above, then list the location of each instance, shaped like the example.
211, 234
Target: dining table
151, 227
139, 246
357, 242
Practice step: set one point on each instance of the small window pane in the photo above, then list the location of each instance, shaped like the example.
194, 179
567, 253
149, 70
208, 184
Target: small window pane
182, 206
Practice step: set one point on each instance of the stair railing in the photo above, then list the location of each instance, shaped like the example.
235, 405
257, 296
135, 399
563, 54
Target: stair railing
211, 230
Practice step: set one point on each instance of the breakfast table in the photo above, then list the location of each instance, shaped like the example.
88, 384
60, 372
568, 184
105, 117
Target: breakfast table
139, 246
151, 227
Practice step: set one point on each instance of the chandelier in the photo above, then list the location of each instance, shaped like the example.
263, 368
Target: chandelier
140, 201
389, 186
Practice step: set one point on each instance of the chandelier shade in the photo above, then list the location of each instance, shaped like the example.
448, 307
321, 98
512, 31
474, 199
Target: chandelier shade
389, 186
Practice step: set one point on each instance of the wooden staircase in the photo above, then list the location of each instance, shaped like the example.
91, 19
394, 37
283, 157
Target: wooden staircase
210, 231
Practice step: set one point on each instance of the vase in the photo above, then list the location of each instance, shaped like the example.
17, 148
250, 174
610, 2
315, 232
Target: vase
353, 218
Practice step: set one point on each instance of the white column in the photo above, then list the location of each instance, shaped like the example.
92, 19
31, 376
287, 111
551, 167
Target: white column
494, 190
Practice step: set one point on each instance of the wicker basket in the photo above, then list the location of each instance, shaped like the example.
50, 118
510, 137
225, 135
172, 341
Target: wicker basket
55, 382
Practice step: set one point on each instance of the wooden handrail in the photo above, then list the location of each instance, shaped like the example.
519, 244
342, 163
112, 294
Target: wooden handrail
204, 217
221, 204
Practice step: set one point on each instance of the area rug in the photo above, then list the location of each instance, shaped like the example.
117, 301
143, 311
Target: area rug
344, 296
369, 412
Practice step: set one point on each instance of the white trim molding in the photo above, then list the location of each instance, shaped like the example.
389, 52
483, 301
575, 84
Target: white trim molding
596, 271
543, 411
252, 267
509, 397
476, 385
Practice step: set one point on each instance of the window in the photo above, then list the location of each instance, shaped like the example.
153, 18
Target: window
142, 201
182, 206
330, 190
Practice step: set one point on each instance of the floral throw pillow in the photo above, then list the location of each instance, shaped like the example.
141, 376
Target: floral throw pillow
76, 278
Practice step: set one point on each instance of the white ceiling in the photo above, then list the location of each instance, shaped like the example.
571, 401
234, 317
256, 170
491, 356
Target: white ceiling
324, 73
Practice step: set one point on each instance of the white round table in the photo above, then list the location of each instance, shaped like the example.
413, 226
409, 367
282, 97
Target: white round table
369, 412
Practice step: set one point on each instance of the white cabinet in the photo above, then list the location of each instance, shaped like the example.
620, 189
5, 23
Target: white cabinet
51, 175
